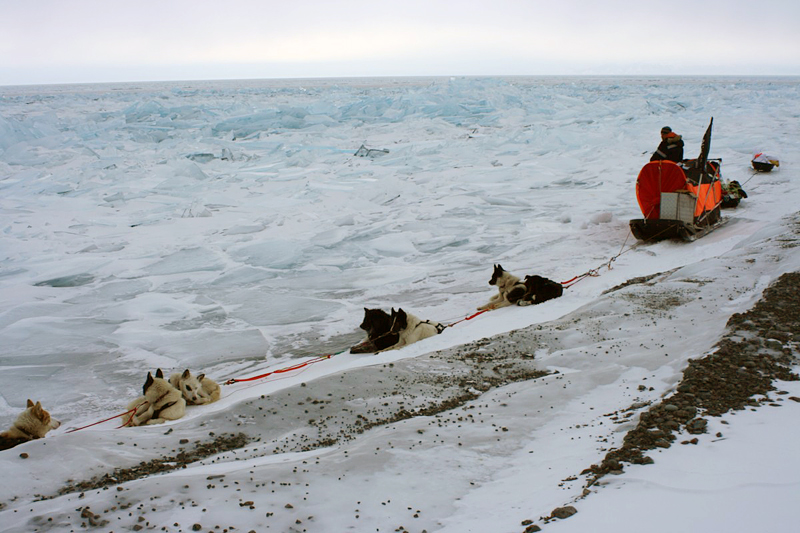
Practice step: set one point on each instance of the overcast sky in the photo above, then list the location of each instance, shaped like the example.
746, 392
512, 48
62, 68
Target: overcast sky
73, 41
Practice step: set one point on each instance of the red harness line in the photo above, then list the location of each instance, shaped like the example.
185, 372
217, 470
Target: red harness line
596, 271
467, 318
318, 359
281, 370
112, 418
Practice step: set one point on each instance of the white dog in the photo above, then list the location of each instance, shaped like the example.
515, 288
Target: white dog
196, 390
411, 329
161, 402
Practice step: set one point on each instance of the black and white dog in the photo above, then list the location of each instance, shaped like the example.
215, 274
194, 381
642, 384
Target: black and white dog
378, 325
509, 289
387, 332
411, 329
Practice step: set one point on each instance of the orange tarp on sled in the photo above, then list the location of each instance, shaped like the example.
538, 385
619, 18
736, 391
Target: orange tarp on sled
709, 195
654, 178
665, 176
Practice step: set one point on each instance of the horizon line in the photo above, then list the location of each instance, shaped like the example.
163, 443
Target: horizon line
404, 76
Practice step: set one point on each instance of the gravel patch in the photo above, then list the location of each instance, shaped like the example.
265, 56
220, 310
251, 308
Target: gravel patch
759, 349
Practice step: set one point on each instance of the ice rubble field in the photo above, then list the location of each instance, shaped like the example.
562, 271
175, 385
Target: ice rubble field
229, 227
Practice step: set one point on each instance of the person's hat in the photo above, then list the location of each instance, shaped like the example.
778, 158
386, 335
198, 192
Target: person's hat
666, 129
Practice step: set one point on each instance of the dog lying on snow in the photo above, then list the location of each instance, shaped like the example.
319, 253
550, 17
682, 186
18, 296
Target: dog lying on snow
31, 424
196, 390
387, 332
378, 325
539, 289
511, 291
161, 402
411, 329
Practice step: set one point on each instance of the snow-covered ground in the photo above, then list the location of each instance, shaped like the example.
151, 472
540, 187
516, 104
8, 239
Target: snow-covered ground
228, 227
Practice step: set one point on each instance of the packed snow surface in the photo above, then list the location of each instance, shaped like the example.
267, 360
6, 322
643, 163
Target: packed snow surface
232, 228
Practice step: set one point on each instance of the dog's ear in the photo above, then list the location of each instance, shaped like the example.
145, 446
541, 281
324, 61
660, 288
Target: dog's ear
186, 374
200, 377
30, 403
159, 374
149, 381
38, 409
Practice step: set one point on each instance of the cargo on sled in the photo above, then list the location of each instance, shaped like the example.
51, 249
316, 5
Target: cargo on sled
679, 200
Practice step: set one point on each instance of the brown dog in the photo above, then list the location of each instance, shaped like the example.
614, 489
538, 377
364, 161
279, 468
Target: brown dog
31, 424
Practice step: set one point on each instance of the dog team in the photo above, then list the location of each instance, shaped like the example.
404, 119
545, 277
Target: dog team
166, 399
390, 331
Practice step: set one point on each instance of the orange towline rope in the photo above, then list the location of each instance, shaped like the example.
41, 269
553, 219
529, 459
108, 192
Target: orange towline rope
318, 359
596, 271
468, 318
111, 418
281, 370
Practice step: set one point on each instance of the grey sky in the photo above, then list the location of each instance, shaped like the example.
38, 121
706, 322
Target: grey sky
70, 41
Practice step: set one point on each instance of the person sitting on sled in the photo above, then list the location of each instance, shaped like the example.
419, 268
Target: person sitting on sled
671, 147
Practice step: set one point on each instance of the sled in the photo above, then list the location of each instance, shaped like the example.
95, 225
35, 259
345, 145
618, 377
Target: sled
764, 163
679, 200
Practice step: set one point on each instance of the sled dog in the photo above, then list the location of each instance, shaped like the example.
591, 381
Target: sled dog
378, 325
196, 390
509, 289
411, 329
161, 402
143, 412
31, 424
539, 289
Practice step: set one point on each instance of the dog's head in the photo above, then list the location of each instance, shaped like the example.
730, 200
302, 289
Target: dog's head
155, 388
35, 421
399, 320
496, 275
376, 322
191, 387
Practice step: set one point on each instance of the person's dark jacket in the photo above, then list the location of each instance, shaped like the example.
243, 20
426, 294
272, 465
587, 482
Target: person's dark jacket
670, 148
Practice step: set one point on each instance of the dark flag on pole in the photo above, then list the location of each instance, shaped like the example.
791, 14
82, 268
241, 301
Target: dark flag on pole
705, 148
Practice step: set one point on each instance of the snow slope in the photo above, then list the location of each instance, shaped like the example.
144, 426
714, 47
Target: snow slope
228, 227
